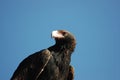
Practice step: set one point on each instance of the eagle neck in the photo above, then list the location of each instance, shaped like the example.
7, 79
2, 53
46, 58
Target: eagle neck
70, 46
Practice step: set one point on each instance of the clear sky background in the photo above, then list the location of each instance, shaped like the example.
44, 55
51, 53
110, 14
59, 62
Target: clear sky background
26, 25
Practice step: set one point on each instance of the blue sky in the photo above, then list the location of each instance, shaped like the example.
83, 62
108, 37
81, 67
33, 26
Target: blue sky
26, 25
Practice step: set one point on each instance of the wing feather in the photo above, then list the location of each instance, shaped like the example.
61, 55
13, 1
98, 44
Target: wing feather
71, 73
31, 67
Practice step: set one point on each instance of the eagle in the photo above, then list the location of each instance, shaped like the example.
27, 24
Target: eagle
52, 63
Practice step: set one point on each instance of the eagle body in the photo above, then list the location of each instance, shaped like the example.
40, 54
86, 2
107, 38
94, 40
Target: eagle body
52, 63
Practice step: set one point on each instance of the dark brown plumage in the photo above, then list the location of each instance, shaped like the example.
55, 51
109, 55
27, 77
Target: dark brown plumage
52, 63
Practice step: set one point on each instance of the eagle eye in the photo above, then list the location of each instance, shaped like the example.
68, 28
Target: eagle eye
64, 33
